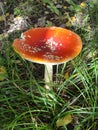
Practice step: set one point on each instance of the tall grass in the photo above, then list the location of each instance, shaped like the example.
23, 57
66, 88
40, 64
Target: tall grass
24, 102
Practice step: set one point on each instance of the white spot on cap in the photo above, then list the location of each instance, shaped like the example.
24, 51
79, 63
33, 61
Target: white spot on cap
51, 44
25, 47
60, 44
36, 49
49, 56
29, 36
70, 33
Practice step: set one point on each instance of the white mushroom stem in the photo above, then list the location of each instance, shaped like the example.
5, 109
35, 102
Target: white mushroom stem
48, 75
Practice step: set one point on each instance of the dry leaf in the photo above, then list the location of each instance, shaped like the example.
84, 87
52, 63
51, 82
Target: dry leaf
3, 73
83, 4
3, 17
64, 120
66, 75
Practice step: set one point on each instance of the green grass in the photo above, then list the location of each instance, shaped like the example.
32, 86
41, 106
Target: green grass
24, 102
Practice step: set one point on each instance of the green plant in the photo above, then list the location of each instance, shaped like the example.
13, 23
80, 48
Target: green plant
26, 105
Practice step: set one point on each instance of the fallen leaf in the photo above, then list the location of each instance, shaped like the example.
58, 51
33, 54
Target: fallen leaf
66, 75
68, 23
83, 4
3, 17
64, 120
3, 73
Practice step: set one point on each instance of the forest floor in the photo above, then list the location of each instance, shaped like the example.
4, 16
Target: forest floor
72, 103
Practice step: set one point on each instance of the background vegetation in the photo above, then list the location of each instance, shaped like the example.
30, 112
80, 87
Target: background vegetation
72, 104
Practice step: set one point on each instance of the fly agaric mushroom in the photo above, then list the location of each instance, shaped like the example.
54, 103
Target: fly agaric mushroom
49, 46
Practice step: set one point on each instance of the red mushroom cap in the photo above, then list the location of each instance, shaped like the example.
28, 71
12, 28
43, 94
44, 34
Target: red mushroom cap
51, 45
